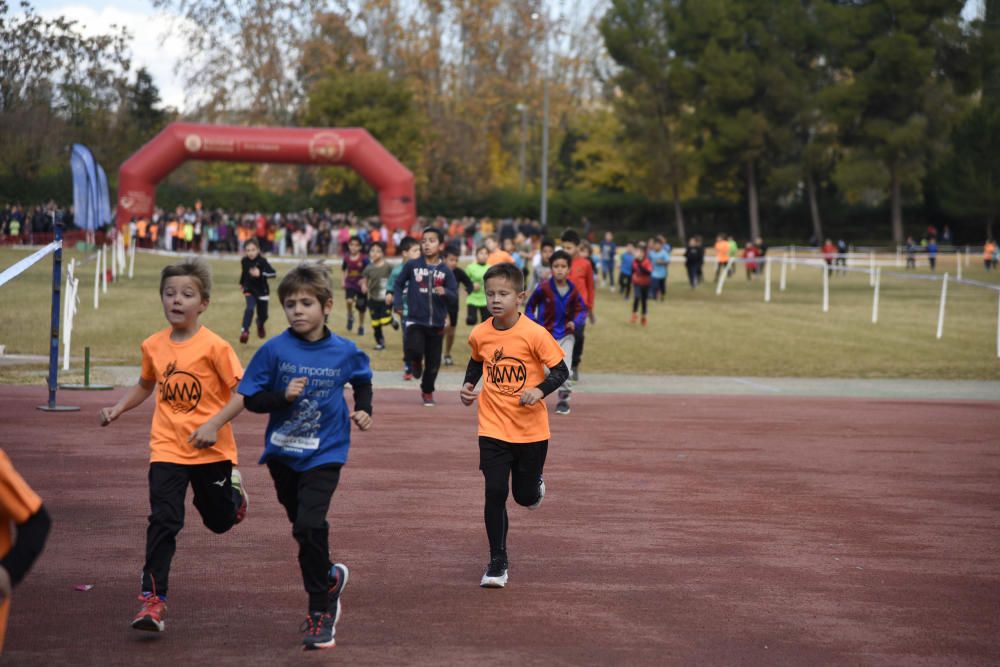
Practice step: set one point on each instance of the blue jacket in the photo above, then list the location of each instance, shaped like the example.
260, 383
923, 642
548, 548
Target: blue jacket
418, 278
552, 310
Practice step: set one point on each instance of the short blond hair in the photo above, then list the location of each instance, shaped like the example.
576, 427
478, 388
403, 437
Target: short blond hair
195, 267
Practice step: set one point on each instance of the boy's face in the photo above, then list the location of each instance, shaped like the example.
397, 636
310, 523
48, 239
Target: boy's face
251, 250
657, 246
182, 301
508, 245
570, 248
354, 246
547, 251
491, 244
482, 255
306, 314
502, 297
430, 244
375, 254
451, 261
560, 269
412, 253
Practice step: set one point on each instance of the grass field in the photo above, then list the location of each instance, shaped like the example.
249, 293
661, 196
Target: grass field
693, 332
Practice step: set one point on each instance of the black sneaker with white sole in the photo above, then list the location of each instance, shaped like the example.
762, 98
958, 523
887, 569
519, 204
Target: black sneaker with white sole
562, 408
496, 573
319, 630
541, 495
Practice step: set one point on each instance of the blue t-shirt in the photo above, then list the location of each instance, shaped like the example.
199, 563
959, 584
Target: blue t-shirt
663, 255
315, 430
626, 265
608, 250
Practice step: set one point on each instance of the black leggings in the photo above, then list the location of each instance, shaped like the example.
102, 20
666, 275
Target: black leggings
624, 284
694, 272
517, 466
641, 294
425, 343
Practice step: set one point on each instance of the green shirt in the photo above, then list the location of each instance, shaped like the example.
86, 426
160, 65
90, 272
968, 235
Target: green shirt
476, 271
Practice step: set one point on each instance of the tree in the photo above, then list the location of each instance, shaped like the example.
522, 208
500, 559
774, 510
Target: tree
894, 103
969, 182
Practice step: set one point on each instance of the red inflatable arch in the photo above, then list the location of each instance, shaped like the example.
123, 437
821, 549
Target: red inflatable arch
352, 147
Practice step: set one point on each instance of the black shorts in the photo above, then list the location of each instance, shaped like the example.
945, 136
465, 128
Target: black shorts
453, 316
357, 296
527, 457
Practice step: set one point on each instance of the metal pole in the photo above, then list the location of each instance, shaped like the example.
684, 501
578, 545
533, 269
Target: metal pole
826, 289
784, 272
54, 329
767, 282
878, 281
544, 215
86, 366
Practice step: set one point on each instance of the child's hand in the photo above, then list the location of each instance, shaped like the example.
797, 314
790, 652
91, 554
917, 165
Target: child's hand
108, 415
571, 326
592, 317
361, 419
255, 272
468, 393
295, 388
475, 287
388, 298
439, 290
531, 396
204, 436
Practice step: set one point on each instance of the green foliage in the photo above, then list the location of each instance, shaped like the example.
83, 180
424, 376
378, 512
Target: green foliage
970, 179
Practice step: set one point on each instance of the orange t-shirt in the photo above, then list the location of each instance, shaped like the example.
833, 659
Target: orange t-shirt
722, 251
194, 380
513, 360
499, 256
988, 250
17, 503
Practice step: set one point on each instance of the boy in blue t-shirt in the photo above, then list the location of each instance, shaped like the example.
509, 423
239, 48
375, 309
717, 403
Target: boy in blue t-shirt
659, 255
608, 252
298, 377
625, 272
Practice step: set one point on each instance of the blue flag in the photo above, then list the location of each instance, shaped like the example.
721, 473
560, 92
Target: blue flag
90, 190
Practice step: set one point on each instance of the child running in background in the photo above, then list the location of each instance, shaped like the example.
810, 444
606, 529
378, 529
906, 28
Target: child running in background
255, 271
475, 304
625, 274
191, 441
374, 283
409, 249
432, 288
298, 378
581, 273
510, 353
540, 271
353, 267
24, 528
609, 251
557, 305
451, 260
642, 279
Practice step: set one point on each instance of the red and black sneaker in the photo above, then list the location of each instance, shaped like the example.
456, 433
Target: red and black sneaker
244, 336
261, 331
152, 614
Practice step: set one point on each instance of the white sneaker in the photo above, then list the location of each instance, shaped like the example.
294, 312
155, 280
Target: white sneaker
541, 494
496, 574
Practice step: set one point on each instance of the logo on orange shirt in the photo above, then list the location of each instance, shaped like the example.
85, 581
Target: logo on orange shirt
180, 390
507, 374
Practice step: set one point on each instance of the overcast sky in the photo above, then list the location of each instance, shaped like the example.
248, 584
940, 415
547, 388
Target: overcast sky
148, 29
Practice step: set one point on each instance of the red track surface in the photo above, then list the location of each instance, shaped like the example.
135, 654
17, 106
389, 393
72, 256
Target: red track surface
675, 530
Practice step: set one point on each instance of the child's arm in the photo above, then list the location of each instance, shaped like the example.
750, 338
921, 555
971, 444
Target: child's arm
362, 415
31, 537
397, 289
473, 372
580, 318
267, 271
135, 396
557, 375
205, 435
532, 307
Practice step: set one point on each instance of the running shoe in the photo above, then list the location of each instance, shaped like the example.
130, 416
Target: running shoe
562, 408
496, 573
541, 486
236, 478
448, 361
244, 336
361, 330
350, 323
261, 331
428, 399
152, 614
319, 631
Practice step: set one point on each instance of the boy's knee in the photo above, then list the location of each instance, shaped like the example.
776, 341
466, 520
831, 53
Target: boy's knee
496, 492
219, 525
305, 528
526, 497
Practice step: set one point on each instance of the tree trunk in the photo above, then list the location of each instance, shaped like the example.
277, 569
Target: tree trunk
814, 208
679, 214
897, 207
752, 200
989, 227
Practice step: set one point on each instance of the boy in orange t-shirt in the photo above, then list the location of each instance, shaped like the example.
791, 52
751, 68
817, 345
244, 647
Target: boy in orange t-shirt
191, 441
20, 507
511, 354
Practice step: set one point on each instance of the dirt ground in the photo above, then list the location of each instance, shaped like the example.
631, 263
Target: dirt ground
675, 530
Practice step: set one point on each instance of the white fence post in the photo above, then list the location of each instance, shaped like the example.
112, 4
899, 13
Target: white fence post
958, 263
944, 299
871, 269
131, 257
722, 278
104, 269
97, 278
793, 258
899, 257
784, 272
767, 282
826, 288
878, 282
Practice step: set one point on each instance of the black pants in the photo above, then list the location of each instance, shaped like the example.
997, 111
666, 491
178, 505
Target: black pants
578, 345
425, 343
474, 312
380, 317
624, 284
693, 271
641, 294
214, 497
306, 498
260, 304
514, 466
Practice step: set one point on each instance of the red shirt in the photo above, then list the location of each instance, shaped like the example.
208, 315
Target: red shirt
581, 273
642, 272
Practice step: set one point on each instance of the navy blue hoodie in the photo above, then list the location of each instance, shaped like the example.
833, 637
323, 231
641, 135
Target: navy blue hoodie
425, 307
